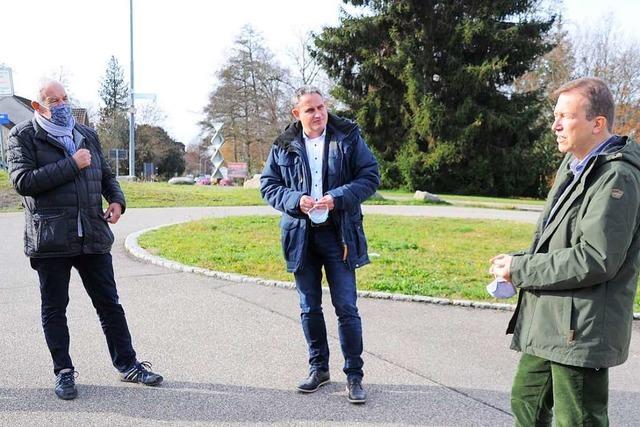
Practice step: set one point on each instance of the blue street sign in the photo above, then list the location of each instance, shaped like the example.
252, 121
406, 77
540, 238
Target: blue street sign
118, 153
4, 119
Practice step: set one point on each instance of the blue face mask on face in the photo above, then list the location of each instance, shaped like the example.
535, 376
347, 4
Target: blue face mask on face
61, 114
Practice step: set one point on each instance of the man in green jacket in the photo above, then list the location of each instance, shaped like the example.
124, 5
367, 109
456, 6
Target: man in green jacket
578, 281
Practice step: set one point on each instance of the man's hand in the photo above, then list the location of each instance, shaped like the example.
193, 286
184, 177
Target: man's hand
113, 213
306, 203
501, 266
326, 202
82, 158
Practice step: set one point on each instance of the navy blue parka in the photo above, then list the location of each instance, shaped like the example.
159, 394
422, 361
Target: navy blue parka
351, 176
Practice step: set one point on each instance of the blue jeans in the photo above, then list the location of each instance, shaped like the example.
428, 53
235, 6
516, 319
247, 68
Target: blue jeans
96, 272
325, 250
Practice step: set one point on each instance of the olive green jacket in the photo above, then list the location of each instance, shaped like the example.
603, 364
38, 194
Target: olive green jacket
578, 281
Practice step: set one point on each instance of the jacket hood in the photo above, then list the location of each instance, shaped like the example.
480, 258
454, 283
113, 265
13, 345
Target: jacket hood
622, 149
337, 126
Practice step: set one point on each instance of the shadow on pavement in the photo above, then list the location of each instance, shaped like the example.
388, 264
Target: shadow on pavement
186, 401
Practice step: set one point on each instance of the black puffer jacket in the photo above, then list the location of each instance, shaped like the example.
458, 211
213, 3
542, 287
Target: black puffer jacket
56, 192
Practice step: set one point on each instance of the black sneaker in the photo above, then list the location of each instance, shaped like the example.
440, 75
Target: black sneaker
314, 381
355, 392
65, 386
140, 373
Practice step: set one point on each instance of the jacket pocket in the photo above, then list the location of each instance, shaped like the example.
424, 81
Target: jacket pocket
52, 234
588, 306
291, 171
289, 236
102, 232
359, 239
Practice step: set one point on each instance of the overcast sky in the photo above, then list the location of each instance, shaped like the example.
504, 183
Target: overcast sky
178, 45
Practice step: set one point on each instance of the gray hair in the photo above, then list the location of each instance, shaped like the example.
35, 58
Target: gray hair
302, 91
42, 88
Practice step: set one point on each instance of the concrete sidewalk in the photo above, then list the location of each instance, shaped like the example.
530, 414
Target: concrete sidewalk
231, 353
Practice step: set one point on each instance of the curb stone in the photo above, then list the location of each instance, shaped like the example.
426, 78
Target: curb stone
133, 248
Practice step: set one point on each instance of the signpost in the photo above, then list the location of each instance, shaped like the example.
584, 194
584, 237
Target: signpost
4, 120
148, 170
6, 81
118, 153
237, 169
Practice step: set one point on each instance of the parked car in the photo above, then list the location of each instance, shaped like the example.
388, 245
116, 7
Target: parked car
181, 180
203, 181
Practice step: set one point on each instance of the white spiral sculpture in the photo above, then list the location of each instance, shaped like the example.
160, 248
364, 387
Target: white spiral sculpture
214, 151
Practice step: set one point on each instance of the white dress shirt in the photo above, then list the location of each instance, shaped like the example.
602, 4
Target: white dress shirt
315, 154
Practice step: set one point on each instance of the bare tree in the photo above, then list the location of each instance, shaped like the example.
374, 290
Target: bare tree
603, 50
250, 99
307, 69
551, 70
150, 113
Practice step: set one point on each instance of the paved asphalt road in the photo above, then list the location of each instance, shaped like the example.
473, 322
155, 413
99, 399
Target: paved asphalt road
231, 353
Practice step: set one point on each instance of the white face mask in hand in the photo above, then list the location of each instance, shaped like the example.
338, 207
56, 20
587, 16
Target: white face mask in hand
500, 288
318, 215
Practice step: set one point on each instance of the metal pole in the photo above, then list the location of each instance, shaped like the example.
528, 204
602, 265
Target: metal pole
2, 162
132, 114
117, 163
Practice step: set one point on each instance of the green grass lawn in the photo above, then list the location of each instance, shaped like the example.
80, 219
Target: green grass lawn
9, 199
434, 257
437, 257
161, 194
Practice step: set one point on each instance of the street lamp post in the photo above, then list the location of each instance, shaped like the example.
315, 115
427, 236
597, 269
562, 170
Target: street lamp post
132, 108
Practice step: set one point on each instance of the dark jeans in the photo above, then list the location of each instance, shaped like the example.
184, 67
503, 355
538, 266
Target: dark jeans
96, 272
324, 249
578, 396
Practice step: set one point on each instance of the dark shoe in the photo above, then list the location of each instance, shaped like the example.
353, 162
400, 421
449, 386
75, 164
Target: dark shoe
140, 373
65, 387
314, 381
355, 392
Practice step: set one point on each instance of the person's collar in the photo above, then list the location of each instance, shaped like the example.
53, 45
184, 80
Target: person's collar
306, 138
577, 165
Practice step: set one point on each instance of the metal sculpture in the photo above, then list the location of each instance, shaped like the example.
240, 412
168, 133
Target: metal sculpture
214, 152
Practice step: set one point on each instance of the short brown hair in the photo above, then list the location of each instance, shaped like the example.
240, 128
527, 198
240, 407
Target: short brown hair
597, 93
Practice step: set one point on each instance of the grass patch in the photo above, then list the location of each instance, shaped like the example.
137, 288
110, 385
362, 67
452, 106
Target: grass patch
422, 256
161, 194
437, 257
9, 199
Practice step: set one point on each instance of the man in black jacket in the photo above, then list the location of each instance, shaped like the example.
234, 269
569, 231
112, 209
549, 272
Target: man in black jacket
58, 168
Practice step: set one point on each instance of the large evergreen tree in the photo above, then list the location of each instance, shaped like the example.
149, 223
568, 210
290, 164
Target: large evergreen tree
113, 124
114, 91
431, 84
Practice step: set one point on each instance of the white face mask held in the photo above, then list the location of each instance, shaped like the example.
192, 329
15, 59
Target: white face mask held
500, 288
318, 215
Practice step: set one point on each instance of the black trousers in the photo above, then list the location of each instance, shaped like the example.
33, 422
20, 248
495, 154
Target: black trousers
96, 272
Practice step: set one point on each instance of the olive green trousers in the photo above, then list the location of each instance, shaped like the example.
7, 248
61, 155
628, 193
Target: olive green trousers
574, 396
